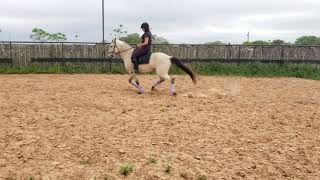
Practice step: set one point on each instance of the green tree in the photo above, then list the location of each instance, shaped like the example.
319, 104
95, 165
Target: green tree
280, 42
215, 43
119, 32
277, 42
308, 40
160, 40
58, 37
258, 42
41, 35
131, 38
134, 38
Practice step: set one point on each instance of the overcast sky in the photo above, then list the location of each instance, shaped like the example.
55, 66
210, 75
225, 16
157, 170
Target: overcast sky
179, 21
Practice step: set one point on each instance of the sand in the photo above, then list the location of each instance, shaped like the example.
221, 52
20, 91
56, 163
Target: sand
87, 126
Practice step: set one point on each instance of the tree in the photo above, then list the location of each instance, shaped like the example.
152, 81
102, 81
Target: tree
280, 42
258, 42
41, 35
160, 40
134, 38
215, 43
59, 37
277, 42
131, 38
119, 32
308, 40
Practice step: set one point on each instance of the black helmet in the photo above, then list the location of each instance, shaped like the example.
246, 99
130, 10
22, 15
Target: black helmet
145, 26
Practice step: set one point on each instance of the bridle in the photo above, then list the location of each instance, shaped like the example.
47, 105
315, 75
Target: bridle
115, 46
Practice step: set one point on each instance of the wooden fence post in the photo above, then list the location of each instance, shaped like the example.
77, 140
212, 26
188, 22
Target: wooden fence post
239, 54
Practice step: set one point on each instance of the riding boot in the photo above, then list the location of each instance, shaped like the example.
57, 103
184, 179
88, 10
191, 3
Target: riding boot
136, 65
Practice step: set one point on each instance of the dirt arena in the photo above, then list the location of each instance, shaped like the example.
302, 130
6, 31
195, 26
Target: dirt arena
87, 126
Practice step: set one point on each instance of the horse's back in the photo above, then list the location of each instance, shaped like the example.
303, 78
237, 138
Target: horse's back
160, 56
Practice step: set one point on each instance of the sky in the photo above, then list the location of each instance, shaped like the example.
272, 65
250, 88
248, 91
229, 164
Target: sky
179, 21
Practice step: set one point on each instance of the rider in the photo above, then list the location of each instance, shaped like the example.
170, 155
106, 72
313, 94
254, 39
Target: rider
142, 48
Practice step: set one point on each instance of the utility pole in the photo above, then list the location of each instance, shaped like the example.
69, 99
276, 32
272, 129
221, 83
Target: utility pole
248, 37
103, 40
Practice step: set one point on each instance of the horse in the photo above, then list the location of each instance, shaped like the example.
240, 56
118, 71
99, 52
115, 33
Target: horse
159, 62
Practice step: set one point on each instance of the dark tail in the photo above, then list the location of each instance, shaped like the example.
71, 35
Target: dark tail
184, 68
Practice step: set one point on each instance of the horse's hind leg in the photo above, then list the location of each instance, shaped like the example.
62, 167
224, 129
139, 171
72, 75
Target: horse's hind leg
157, 83
172, 86
162, 71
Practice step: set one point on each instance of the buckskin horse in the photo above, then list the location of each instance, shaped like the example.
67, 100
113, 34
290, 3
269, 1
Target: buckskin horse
157, 61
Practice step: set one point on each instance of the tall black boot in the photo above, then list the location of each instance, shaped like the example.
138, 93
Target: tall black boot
136, 65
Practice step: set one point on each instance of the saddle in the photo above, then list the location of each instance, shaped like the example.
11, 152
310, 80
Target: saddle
145, 59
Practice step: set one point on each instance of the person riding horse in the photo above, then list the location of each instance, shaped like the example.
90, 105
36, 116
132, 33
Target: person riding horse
142, 48
158, 62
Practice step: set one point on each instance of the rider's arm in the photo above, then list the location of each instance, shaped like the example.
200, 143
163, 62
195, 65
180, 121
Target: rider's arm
146, 41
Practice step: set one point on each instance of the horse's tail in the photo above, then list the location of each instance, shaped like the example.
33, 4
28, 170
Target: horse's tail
184, 68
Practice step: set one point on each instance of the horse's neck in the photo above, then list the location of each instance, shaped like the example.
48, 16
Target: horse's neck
126, 55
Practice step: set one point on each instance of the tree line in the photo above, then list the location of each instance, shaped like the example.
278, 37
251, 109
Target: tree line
303, 40
40, 35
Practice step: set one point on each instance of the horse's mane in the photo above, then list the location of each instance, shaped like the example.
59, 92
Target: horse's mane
123, 44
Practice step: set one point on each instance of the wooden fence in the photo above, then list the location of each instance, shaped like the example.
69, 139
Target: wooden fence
27, 53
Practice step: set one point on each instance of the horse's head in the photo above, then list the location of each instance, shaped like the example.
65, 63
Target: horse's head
113, 49
118, 47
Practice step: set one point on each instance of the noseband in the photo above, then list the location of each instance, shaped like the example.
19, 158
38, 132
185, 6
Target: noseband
119, 52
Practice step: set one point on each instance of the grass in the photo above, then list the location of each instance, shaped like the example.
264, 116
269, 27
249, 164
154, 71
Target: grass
246, 70
152, 161
256, 70
202, 177
57, 69
126, 169
85, 162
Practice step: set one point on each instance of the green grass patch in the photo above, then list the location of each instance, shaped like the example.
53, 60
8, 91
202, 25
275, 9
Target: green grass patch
126, 169
218, 69
152, 161
255, 70
202, 177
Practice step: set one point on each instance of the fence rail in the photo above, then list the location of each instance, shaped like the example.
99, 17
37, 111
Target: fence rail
27, 53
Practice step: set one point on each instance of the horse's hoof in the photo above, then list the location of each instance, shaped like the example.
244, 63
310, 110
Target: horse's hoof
173, 94
152, 89
139, 92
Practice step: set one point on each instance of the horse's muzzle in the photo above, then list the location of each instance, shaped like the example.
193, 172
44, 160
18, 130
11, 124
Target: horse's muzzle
111, 55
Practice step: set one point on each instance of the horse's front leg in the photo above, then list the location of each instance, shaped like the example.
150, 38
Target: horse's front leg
136, 84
